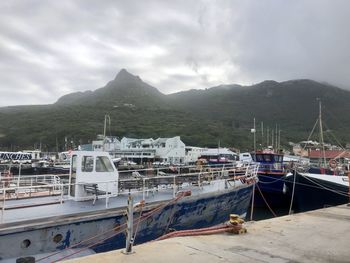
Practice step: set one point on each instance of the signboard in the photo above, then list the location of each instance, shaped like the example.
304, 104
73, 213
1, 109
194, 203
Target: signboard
15, 156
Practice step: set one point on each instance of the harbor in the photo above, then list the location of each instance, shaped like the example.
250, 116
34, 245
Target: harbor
317, 236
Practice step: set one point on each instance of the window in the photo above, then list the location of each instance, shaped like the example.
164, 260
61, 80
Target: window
267, 157
87, 164
103, 164
259, 158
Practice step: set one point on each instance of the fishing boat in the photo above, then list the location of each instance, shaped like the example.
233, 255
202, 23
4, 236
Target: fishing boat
49, 220
324, 185
271, 173
309, 191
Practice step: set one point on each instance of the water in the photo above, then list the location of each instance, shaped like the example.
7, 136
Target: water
262, 213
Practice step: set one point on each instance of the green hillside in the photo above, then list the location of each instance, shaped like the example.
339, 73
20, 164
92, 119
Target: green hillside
200, 117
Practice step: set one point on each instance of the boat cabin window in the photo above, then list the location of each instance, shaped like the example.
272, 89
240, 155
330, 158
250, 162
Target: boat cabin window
87, 164
103, 164
267, 157
259, 158
278, 158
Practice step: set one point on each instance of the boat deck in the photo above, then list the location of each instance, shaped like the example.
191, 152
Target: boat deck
33, 209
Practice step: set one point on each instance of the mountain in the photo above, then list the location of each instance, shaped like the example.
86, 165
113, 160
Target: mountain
201, 117
124, 89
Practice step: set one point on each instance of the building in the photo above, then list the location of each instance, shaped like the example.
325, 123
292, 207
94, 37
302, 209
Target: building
108, 144
192, 154
167, 150
317, 156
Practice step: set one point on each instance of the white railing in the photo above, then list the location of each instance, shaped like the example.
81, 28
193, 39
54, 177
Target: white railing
30, 186
28, 192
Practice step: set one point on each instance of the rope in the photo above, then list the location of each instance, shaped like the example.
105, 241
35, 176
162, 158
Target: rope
202, 231
278, 179
139, 220
114, 234
326, 188
292, 198
273, 213
298, 183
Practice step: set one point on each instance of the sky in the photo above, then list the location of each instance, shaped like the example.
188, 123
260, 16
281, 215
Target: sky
52, 48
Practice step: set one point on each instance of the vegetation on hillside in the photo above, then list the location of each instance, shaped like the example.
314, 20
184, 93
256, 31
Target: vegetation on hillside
208, 117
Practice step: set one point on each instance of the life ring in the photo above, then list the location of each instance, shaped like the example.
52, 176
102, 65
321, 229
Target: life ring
333, 163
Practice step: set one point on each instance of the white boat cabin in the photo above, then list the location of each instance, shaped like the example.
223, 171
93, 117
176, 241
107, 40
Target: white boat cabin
92, 174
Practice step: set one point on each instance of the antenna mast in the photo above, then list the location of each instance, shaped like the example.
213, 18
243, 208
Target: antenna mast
321, 132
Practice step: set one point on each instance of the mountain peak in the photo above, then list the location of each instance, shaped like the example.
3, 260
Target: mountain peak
124, 75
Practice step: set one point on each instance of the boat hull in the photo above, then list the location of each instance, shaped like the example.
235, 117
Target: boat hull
315, 193
271, 186
188, 213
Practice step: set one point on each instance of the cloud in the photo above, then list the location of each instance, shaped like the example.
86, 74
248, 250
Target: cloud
51, 48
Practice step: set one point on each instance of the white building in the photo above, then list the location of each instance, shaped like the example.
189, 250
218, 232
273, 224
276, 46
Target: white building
192, 154
171, 150
108, 144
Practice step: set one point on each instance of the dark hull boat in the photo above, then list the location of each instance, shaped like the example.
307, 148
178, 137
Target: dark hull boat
272, 191
315, 191
271, 173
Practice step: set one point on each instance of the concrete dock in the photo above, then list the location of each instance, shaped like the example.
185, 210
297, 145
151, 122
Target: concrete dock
317, 236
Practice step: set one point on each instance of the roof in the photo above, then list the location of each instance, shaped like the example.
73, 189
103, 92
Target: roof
329, 154
216, 151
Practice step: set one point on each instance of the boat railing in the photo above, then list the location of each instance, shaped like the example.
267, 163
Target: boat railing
146, 184
8, 193
49, 185
7, 179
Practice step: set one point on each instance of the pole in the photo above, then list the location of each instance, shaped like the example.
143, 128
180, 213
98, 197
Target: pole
252, 205
104, 130
321, 133
279, 138
254, 137
276, 144
130, 224
262, 134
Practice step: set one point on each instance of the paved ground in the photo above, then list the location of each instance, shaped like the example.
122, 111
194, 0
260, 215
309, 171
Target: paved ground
318, 236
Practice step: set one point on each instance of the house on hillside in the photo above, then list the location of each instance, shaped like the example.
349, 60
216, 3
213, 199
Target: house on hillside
341, 156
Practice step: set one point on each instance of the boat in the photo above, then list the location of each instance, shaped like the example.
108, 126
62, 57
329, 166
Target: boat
45, 218
218, 156
271, 173
308, 191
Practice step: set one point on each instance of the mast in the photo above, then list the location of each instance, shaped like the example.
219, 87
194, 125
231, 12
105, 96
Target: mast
262, 134
104, 129
279, 138
254, 137
276, 139
272, 139
267, 137
321, 132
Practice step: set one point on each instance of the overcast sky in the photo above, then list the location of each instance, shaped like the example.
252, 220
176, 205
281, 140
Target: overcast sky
51, 48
